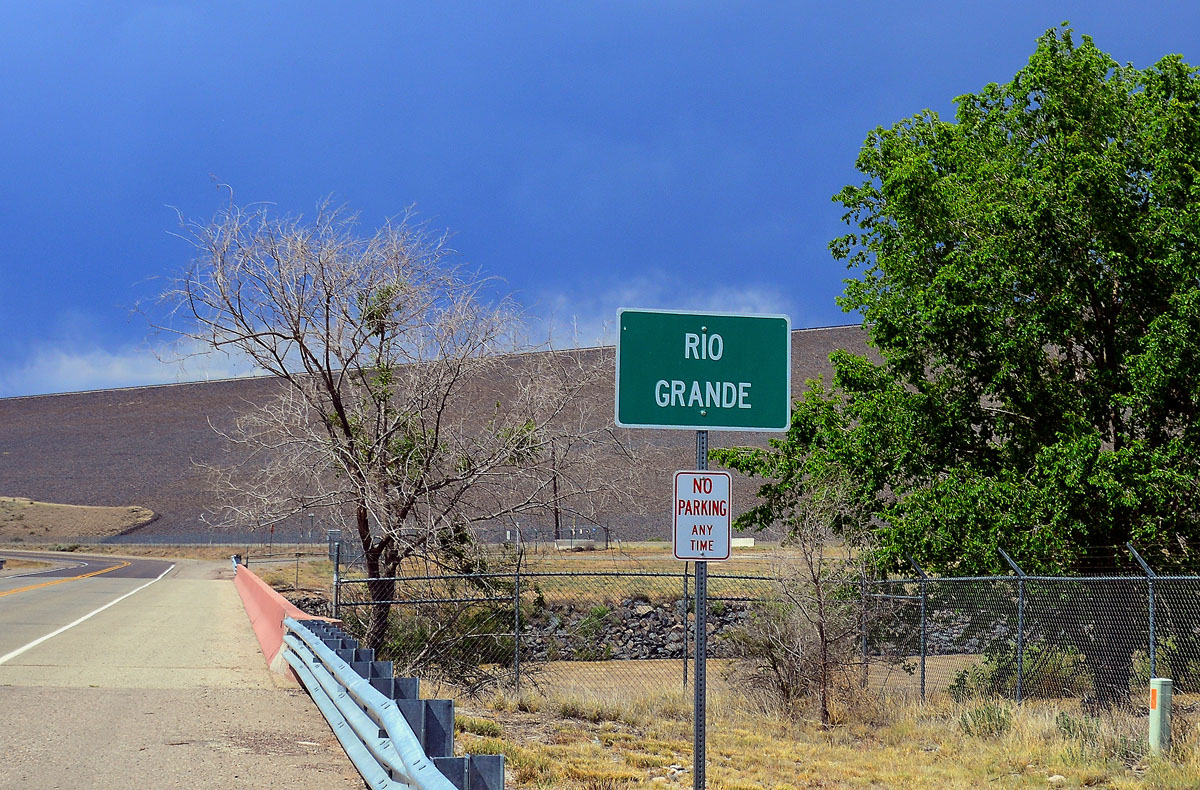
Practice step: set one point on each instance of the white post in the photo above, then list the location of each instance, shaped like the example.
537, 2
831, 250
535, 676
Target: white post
1160, 715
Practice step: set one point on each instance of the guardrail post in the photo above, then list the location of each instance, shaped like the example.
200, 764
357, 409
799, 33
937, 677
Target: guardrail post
439, 728
1020, 623
486, 772
454, 769
413, 711
1150, 577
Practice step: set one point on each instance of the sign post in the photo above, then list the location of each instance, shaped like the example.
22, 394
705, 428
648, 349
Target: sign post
702, 372
700, 737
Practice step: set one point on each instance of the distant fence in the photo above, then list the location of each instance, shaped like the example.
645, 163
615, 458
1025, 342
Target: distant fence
1035, 636
218, 537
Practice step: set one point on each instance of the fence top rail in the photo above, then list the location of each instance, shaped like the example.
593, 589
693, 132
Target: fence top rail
290, 554
743, 577
1077, 579
554, 574
429, 578
407, 601
936, 579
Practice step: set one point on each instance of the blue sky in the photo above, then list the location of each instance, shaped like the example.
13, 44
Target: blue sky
594, 155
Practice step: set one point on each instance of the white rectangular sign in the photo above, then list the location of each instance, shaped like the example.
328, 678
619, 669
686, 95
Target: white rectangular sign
703, 521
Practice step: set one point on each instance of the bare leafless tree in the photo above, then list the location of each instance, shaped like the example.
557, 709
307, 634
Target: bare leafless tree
411, 406
806, 642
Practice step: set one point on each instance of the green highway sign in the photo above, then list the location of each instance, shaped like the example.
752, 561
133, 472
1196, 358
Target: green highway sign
703, 371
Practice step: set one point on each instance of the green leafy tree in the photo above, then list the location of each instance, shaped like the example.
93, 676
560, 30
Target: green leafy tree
1030, 277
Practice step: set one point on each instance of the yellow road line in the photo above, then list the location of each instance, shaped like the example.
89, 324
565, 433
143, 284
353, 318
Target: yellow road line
67, 579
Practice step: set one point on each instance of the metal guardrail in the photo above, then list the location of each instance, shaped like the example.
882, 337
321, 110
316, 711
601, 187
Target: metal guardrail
396, 740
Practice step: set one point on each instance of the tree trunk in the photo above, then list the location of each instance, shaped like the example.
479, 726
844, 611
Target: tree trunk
377, 621
554, 482
379, 591
824, 676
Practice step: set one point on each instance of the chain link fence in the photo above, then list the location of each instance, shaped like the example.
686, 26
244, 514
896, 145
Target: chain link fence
629, 632
1095, 638
603, 630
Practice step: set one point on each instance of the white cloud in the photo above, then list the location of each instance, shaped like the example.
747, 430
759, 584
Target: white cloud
76, 366
586, 318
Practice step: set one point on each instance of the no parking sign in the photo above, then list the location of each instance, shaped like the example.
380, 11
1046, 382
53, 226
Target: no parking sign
703, 524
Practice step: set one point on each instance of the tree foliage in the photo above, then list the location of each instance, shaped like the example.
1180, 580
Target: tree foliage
1029, 274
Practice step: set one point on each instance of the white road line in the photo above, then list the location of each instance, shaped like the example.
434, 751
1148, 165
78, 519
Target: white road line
9, 656
48, 570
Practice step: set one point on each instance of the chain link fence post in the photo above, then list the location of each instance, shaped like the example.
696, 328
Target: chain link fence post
1020, 623
924, 580
862, 625
517, 630
1150, 576
337, 578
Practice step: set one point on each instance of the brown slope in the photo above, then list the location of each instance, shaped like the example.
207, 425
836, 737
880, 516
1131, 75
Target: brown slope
140, 446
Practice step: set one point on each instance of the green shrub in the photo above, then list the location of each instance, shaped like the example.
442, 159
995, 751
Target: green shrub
1052, 671
483, 727
986, 719
595, 621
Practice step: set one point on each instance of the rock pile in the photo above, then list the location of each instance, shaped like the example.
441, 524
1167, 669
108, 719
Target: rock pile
635, 629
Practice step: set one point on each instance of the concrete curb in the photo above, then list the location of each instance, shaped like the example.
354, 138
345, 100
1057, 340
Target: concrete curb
267, 610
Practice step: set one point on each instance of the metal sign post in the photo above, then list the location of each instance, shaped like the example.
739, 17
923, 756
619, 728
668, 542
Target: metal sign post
699, 741
703, 372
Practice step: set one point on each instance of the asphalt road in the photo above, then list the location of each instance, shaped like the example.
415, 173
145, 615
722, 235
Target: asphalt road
36, 604
72, 564
122, 672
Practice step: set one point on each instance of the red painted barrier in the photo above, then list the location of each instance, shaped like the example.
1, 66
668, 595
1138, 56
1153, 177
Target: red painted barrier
266, 610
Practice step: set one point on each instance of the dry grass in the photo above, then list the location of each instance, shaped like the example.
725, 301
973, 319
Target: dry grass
18, 564
652, 556
25, 520
648, 556
315, 575
577, 738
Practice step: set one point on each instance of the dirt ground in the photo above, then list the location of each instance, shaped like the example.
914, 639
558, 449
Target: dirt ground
28, 521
